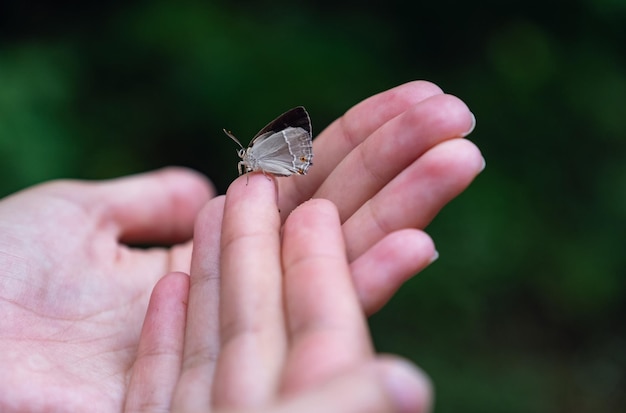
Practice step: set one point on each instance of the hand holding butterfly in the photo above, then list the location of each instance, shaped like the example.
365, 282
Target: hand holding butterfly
267, 322
390, 164
73, 295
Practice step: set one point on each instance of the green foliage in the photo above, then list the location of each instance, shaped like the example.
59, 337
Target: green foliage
524, 310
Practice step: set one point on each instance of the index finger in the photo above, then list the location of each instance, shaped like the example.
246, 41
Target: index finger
251, 316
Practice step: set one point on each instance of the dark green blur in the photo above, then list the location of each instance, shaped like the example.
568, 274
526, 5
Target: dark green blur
525, 311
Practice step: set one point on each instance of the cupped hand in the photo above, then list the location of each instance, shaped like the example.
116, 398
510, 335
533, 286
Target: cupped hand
73, 296
282, 329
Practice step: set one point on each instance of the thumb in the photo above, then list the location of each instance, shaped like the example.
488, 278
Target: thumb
153, 207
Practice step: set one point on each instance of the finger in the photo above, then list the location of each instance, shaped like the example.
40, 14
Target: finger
159, 354
392, 148
251, 315
415, 196
180, 257
381, 270
346, 133
387, 385
154, 207
202, 332
327, 328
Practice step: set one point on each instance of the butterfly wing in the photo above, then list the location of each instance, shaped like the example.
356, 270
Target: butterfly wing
283, 153
297, 117
283, 147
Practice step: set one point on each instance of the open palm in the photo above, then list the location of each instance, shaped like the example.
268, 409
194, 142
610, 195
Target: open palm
72, 296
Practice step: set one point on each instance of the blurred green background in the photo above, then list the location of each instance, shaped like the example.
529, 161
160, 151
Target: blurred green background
525, 310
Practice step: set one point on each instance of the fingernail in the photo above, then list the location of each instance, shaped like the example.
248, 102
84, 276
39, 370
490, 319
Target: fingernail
482, 168
408, 387
434, 257
471, 129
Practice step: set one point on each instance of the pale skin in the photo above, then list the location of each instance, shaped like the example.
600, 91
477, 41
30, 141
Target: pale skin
73, 295
296, 338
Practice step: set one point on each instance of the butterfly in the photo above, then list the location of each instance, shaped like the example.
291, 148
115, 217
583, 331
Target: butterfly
284, 147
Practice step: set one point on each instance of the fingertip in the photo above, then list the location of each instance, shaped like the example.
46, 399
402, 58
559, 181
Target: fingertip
153, 207
434, 257
411, 93
472, 126
250, 209
314, 206
483, 165
455, 162
443, 116
384, 384
381, 270
209, 219
185, 183
207, 233
314, 221
408, 387
253, 186
322, 204
369, 115
173, 284
468, 155
251, 202
420, 89
179, 173
165, 316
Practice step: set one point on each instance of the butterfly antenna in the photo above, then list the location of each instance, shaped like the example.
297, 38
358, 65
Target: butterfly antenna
231, 136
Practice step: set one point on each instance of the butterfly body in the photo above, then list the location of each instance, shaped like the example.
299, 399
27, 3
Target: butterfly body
284, 147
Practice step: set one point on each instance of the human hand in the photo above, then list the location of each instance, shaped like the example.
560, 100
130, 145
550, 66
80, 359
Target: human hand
271, 322
390, 164
73, 296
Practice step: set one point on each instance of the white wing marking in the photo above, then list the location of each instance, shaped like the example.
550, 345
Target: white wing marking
283, 153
